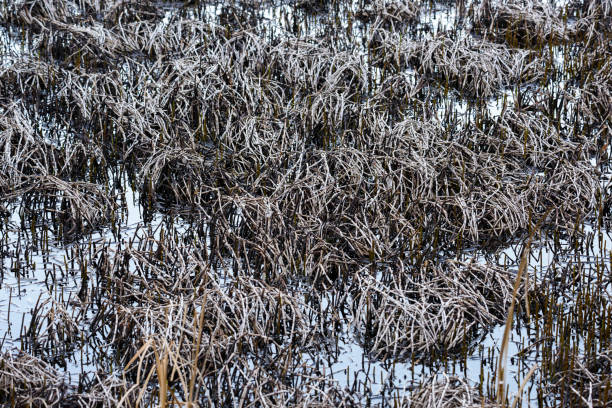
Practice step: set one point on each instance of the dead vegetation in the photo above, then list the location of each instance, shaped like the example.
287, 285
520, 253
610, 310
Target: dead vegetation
389, 13
587, 383
28, 381
448, 392
431, 312
477, 68
593, 20
330, 180
525, 24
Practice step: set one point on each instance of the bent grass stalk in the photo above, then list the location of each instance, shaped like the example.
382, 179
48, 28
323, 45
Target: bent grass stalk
503, 354
196, 353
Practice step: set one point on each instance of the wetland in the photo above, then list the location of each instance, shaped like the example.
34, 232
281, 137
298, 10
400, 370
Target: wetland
344, 203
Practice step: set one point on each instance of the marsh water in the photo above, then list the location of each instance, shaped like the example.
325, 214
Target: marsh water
243, 182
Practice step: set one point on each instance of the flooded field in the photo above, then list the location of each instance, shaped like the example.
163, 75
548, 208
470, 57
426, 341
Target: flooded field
305, 203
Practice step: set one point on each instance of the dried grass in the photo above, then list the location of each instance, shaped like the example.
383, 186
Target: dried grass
305, 168
28, 381
477, 68
389, 13
238, 342
527, 24
433, 311
448, 392
586, 383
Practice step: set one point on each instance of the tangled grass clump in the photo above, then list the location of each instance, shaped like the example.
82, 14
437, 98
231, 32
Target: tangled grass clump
448, 392
525, 24
28, 381
477, 68
431, 311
